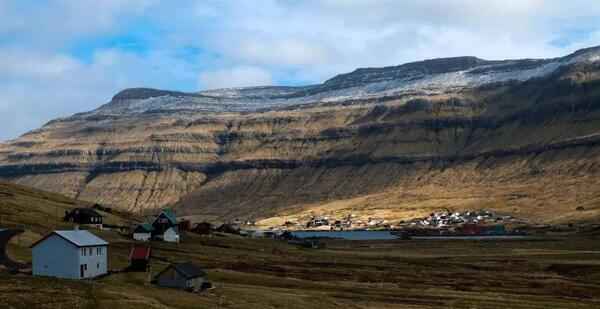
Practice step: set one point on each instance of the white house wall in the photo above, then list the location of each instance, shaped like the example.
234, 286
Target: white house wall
141, 236
96, 264
170, 236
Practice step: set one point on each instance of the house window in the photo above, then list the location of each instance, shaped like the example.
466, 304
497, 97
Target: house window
82, 251
98, 265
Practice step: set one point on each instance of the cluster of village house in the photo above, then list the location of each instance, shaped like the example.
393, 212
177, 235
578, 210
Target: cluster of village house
447, 218
329, 223
469, 222
480, 222
79, 254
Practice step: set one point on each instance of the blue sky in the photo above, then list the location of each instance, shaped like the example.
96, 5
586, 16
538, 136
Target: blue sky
59, 57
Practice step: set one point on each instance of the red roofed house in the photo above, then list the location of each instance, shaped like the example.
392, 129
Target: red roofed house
139, 258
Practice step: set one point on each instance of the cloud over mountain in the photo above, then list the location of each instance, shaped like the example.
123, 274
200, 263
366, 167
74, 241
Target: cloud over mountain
62, 57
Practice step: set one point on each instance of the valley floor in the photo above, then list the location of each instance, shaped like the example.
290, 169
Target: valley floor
262, 273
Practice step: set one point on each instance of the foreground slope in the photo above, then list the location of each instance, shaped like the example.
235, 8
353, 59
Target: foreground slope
557, 272
519, 136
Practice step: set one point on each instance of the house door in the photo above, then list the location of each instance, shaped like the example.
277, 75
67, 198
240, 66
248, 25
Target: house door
81, 271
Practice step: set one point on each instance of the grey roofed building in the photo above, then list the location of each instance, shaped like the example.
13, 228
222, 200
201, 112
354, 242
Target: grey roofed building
73, 254
189, 270
82, 238
183, 275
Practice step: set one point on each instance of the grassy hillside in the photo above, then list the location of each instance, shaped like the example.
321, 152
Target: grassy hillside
39, 212
261, 273
530, 149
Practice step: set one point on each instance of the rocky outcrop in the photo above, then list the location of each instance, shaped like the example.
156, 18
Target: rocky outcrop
390, 142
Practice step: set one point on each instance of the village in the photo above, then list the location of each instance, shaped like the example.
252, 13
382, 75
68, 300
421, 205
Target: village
166, 252
80, 254
469, 222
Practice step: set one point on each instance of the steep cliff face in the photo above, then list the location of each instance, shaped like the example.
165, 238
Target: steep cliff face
520, 136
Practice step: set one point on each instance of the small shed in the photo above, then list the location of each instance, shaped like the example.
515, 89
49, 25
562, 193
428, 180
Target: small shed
187, 276
74, 254
184, 225
228, 228
139, 258
83, 216
202, 228
143, 232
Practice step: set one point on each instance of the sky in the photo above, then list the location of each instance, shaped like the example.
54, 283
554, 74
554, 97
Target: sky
60, 57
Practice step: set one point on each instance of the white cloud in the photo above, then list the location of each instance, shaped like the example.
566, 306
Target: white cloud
53, 23
248, 42
283, 52
243, 76
37, 87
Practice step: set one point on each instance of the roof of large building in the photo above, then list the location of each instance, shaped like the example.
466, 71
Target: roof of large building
79, 238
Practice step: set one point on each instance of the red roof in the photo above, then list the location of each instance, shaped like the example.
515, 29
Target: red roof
139, 253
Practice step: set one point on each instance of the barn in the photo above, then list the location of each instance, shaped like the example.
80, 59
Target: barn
139, 258
74, 254
187, 276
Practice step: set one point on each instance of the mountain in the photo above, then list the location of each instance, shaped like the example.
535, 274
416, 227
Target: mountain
517, 136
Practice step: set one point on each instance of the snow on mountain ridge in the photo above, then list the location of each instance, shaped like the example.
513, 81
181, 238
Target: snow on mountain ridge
428, 76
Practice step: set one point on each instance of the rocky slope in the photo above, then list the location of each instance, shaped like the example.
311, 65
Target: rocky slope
519, 136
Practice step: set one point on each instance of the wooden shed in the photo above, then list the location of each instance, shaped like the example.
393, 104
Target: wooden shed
186, 276
139, 258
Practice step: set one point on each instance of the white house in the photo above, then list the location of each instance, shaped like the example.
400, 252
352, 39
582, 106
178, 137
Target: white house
143, 232
165, 226
73, 254
170, 235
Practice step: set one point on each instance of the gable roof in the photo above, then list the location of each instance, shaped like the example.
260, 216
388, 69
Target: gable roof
147, 227
79, 238
170, 214
187, 270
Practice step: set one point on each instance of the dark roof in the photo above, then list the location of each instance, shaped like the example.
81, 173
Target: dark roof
187, 270
86, 211
145, 227
140, 253
170, 215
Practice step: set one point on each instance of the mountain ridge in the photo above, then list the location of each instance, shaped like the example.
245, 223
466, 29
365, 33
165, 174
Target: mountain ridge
414, 143
423, 67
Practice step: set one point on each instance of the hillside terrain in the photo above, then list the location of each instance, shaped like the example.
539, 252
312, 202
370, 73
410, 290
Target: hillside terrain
40, 212
553, 272
517, 136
